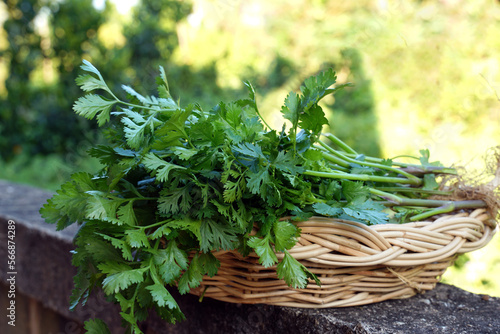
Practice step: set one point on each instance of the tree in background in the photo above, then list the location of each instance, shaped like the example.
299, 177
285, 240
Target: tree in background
36, 114
21, 58
353, 116
154, 41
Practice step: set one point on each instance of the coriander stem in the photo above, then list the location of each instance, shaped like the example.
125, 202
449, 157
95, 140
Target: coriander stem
429, 203
442, 209
369, 164
141, 107
155, 224
340, 143
415, 190
335, 159
262, 118
335, 167
413, 167
362, 177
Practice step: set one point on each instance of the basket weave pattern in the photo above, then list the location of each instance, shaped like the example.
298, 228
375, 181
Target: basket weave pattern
357, 264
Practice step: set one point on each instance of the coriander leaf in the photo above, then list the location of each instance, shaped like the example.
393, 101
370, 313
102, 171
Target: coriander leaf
330, 210
192, 276
285, 235
250, 150
120, 244
232, 114
81, 290
370, 205
135, 127
160, 166
287, 162
315, 87
270, 192
88, 67
354, 190
144, 298
256, 180
240, 215
99, 207
171, 316
209, 263
126, 214
105, 154
430, 182
88, 83
131, 319
215, 236
330, 189
169, 133
69, 204
162, 231
263, 249
175, 200
233, 191
370, 217
367, 212
291, 111
90, 105
251, 95
184, 153
294, 273
223, 209
189, 225
137, 238
120, 276
133, 93
314, 120
100, 250
96, 326
425, 159
161, 296
162, 83
171, 262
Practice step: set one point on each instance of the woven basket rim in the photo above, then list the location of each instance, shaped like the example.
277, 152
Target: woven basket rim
357, 264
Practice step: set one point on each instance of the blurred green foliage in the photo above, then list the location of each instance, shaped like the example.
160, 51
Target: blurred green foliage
426, 74
36, 116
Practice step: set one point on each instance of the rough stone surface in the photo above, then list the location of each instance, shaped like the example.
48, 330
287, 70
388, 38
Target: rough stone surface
44, 272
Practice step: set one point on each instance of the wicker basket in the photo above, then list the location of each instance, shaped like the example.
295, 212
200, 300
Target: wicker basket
357, 264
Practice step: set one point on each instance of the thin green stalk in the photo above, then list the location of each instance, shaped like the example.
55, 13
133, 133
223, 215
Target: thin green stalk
362, 177
414, 170
415, 190
429, 203
141, 107
262, 118
392, 198
447, 208
335, 167
132, 306
155, 224
369, 164
437, 211
336, 160
420, 168
340, 143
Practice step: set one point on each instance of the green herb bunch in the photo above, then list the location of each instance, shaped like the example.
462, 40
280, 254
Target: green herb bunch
179, 183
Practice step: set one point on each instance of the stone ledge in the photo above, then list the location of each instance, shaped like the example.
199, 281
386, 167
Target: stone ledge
45, 273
